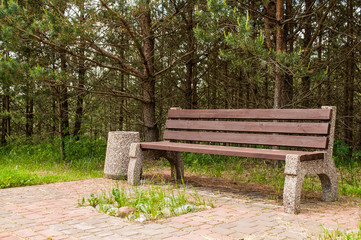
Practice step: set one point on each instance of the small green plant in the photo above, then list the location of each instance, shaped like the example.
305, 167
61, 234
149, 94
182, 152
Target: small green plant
148, 202
340, 235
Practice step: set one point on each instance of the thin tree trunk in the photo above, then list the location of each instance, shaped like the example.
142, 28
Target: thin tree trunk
279, 46
121, 111
29, 113
5, 129
61, 130
54, 114
213, 81
270, 12
64, 99
306, 81
349, 80
287, 95
79, 101
81, 82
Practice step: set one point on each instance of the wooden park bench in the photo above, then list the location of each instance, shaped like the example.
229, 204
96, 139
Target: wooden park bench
304, 136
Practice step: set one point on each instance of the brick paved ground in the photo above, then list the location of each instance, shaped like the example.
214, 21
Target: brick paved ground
51, 212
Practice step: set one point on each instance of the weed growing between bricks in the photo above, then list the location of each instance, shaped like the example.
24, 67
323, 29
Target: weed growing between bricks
143, 203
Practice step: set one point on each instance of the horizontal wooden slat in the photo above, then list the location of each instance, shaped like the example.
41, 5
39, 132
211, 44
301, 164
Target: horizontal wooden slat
272, 114
267, 127
273, 154
241, 138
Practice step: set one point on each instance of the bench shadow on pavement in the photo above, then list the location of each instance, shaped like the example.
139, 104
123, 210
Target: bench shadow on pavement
254, 192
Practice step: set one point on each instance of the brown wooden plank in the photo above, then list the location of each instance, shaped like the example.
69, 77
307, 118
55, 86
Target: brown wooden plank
273, 154
242, 138
272, 114
268, 127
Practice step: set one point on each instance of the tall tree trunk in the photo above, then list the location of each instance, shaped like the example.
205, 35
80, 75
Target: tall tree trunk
190, 91
287, 93
81, 82
80, 100
29, 111
122, 106
54, 114
226, 86
349, 79
5, 129
279, 48
148, 84
268, 23
64, 99
214, 78
61, 130
306, 81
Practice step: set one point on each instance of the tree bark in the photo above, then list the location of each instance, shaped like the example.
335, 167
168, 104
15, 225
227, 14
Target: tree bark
287, 93
61, 130
5, 129
148, 84
190, 91
81, 83
306, 81
349, 79
29, 111
268, 22
64, 99
279, 48
80, 100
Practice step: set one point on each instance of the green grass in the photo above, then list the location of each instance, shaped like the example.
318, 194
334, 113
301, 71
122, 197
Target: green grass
23, 164
149, 202
340, 235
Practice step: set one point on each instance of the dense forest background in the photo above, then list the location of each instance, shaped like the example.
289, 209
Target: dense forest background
83, 68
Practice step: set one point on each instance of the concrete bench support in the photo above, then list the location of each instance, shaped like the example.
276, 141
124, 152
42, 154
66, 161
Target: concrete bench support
137, 156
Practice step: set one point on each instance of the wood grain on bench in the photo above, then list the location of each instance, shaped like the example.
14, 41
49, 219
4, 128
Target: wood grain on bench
271, 114
266, 127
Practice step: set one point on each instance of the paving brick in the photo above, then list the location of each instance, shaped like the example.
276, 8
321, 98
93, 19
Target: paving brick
49, 211
238, 235
25, 233
222, 230
11, 238
4, 234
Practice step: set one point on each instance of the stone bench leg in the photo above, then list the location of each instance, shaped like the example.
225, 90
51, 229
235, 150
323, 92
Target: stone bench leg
296, 170
329, 187
176, 163
137, 155
328, 176
293, 184
292, 193
135, 163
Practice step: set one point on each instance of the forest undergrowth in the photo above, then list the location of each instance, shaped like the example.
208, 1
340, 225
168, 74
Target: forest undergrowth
26, 163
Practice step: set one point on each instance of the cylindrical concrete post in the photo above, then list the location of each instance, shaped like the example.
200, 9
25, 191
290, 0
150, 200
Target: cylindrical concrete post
117, 154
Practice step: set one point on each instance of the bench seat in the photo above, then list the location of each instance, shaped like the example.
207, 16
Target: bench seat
273, 154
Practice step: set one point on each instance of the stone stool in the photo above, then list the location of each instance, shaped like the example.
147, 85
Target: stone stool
117, 154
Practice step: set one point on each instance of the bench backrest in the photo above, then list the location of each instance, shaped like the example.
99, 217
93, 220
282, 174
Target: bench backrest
304, 128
